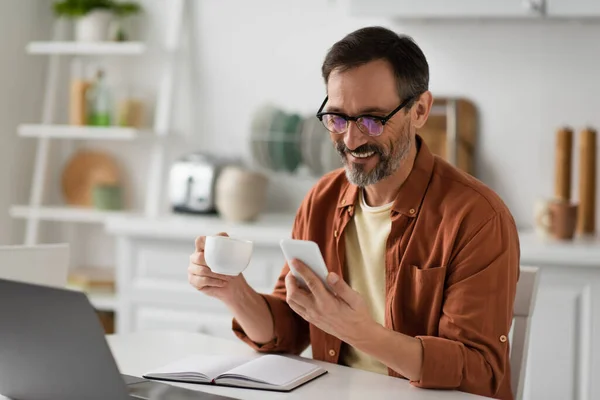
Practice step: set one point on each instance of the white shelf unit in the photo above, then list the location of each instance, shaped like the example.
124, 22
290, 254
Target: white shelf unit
65, 214
80, 132
47, 131
83, 48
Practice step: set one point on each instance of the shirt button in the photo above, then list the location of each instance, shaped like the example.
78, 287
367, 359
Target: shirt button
332, 352
335, 233
503, 338
411, 211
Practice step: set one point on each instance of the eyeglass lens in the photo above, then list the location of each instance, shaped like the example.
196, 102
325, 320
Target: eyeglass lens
338, 124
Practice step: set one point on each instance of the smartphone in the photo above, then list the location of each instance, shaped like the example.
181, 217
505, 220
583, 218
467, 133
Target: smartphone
309, 253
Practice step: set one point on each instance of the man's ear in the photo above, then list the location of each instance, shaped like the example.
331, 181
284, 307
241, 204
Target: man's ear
419, 112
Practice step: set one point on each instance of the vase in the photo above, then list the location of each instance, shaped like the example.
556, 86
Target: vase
93, 27
240, 194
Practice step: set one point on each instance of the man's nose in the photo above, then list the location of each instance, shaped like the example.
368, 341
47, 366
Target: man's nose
354, 137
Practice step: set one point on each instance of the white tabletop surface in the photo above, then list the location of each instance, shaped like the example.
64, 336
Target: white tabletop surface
140, 352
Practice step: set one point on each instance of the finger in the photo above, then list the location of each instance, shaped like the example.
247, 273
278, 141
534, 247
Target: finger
201, 282
291, 281
296, 293
298, 309
343, 290
312, 280
204, 271
198, 258
200, 241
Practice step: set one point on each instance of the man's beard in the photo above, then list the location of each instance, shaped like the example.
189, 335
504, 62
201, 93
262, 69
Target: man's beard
389, 161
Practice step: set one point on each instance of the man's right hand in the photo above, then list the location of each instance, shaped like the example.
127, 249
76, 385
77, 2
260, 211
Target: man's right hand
222, 287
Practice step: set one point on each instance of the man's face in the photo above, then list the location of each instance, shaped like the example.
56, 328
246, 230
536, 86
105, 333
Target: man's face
369, 89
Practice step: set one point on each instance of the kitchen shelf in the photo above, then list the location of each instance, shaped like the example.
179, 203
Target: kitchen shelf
267, 229
66, 214
581, 251
79, 132
83, 48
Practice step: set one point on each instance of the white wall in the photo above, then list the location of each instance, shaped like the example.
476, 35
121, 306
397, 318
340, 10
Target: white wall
526, 78
20, 84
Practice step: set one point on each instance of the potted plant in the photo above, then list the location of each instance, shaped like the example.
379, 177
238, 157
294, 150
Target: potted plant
93, 17
122, 11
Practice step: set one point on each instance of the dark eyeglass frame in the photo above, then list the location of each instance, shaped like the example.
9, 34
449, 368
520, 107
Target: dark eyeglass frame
382, 120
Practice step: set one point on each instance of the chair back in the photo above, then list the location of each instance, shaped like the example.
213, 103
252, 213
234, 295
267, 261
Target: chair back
523, 310
46, 264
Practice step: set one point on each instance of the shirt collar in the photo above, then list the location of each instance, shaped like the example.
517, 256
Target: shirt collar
411, 193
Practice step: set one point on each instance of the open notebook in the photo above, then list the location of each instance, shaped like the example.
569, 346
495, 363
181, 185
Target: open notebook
268, 372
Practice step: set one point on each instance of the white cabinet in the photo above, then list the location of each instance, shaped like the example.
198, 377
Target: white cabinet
147, 318
153, 292
495, 9
564, 352
446, 8
561, 347
573, 8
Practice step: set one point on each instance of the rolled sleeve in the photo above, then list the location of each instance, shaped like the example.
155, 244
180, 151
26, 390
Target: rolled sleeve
470, 352
442, 363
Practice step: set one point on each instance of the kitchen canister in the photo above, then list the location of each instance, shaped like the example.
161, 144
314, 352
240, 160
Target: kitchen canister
107, 197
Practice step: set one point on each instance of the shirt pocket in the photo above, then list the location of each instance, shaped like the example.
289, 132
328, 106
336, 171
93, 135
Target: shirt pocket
425, 294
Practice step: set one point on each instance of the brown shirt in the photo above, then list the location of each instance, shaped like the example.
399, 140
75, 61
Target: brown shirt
452, 265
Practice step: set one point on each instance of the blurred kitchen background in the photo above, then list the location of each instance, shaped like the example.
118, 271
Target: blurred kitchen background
131, 131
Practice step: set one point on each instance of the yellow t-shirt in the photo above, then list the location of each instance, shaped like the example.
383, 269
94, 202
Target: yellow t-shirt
365, 239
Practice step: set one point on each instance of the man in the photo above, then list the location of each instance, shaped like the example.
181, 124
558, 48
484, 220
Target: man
423, 258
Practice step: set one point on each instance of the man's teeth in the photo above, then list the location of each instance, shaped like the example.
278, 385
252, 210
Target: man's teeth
362, 155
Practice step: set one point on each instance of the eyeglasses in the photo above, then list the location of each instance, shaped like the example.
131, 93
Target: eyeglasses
369, 124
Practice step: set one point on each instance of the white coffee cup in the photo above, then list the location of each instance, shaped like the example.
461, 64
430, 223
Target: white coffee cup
227, 256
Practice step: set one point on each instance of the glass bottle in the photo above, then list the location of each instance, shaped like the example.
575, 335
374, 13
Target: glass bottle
99, 102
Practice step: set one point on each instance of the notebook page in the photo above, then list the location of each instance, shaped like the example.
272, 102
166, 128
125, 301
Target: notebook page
273, 369
210, 366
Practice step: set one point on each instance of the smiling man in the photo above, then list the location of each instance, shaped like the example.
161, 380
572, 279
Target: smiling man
423, 258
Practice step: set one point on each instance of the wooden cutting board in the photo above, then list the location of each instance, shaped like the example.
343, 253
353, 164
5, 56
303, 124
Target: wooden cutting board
434, 133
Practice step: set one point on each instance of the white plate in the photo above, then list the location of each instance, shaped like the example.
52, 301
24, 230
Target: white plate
260, 134
318, 134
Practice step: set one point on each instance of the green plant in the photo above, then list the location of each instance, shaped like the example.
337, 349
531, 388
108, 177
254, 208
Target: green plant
126, 9
79, 8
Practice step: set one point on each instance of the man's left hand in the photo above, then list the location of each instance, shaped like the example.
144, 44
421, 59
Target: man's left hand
343, 313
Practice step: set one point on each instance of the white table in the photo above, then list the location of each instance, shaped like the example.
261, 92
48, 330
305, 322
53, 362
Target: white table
137, 353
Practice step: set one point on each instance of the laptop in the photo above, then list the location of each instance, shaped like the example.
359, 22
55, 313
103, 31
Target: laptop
52, 346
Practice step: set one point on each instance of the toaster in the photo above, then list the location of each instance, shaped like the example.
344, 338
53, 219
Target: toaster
192, 181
